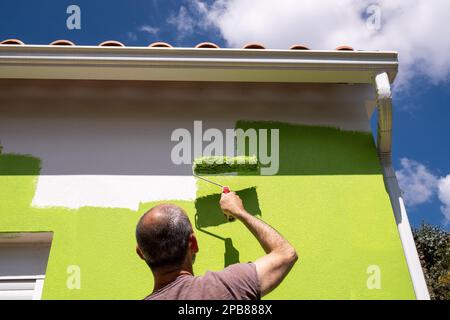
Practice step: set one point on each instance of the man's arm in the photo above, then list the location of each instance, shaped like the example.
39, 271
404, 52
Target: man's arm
280, 255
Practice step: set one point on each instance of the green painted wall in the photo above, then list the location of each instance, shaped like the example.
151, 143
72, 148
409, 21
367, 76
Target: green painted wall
328, 200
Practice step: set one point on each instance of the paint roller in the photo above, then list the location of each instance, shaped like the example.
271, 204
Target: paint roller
223, 165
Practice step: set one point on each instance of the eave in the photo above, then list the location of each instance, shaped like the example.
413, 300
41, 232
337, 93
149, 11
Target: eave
194, 64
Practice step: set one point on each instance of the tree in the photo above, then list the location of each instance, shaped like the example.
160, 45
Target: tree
433, 246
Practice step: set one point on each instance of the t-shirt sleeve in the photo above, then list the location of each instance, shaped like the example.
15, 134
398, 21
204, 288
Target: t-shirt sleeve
241, 280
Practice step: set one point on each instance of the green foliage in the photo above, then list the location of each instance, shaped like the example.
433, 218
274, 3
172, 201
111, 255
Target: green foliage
433, 246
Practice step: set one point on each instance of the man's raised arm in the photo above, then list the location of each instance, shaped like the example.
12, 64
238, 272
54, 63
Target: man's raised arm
280, 254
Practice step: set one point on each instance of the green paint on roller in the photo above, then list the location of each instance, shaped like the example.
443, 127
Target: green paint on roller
223, 164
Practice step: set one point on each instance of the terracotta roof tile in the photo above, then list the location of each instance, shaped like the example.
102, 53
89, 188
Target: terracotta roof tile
111, 43
253, 46
299, 47
345, 48
207, 45
62, 43
11, 41
160, 44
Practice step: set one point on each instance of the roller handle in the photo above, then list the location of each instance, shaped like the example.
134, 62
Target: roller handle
227, 190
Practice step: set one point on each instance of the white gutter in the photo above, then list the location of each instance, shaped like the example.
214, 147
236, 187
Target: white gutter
384, 142
193, 64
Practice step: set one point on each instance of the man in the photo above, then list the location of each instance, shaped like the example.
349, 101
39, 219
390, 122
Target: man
166, 241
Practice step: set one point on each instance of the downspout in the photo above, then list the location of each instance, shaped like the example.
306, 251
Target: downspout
384, 146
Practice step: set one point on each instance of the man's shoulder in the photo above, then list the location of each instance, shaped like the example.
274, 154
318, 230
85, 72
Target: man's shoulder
234, 268
240, 279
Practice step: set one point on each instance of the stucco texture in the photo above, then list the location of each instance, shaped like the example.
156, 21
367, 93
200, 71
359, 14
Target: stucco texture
328, 200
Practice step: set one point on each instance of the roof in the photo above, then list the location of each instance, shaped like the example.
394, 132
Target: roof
159, 44
112, 60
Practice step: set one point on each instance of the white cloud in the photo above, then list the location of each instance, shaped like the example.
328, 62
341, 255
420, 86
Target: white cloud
444, 196
149, 29
183, 21
132, 36
417, 29
417, 183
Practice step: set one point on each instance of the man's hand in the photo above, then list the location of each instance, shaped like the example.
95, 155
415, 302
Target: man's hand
232, 205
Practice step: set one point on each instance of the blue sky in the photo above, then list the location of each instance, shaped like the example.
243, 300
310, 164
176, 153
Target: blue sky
421, 99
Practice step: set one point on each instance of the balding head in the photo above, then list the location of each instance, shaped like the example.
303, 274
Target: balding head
162, 236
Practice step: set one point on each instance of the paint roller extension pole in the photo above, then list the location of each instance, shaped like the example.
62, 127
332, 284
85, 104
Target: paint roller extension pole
225, 189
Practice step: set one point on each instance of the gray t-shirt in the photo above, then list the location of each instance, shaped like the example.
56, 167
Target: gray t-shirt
236, 282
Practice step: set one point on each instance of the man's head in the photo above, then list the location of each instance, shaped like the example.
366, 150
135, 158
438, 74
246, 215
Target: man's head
165, 237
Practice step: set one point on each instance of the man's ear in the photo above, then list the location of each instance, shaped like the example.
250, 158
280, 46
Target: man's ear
139, 252
193, 244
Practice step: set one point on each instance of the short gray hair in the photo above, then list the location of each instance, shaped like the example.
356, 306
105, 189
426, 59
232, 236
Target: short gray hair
164, 243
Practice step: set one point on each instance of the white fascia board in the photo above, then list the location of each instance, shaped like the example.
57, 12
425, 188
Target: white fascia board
194, 64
